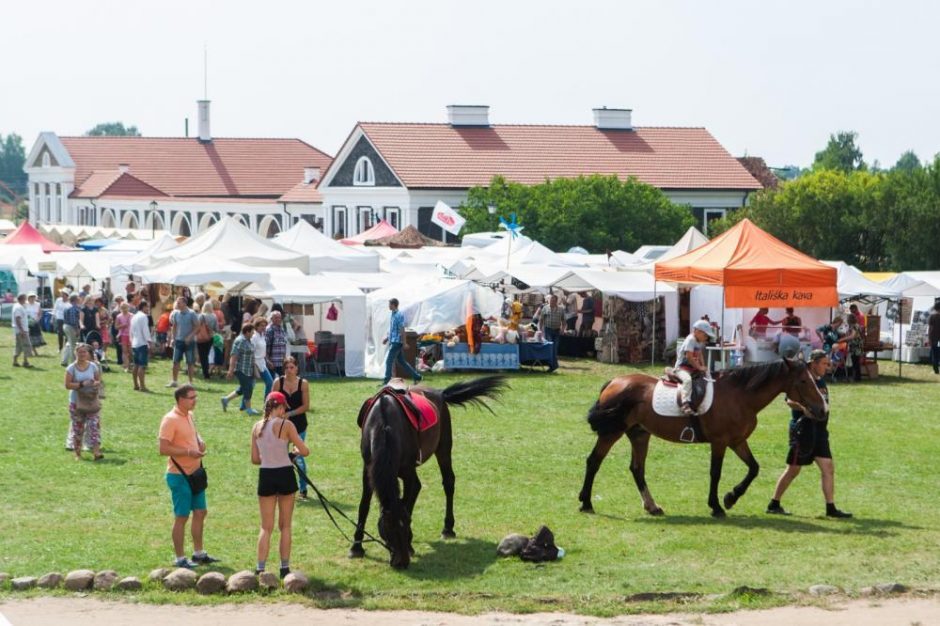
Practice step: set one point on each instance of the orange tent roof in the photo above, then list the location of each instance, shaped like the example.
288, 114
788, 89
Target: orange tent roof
27, 235
382, 229
756, 269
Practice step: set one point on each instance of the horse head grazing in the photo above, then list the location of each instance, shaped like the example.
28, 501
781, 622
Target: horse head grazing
802, 388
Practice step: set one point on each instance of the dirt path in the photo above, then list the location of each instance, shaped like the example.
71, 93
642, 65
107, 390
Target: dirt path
90, 612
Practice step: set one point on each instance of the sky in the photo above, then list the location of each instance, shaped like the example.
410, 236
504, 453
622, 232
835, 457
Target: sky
766, 79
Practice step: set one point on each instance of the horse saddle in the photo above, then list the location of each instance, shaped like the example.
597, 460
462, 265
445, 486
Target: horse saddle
421, 412
667, 400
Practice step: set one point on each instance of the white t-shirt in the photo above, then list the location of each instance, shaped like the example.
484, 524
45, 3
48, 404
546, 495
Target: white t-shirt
261, 350
571, 306
59, 309
691, 344
18, 318
140, 330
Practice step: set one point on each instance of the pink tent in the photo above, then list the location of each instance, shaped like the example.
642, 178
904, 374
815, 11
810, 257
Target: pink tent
26, 235
382, 229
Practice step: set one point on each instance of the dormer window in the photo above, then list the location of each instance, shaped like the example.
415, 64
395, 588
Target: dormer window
364, 174
46, 161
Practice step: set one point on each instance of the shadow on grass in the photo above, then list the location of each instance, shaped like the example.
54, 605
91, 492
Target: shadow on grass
458, 558
791, 524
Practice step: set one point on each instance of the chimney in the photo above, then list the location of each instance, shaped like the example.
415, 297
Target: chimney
613, 119
124, 168
204, 134
468, 115
311, 174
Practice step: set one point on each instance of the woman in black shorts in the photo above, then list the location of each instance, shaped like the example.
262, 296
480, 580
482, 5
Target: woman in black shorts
276, 483
809, 442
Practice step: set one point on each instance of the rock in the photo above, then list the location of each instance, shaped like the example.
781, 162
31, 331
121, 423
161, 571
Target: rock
50, 580
242, 581
511, 545
268, 581
180, 579
210, 582
159, 574
888, 588
23, 583
823, 590
105, 580
296, 582
79, 580
129, 583
4, 577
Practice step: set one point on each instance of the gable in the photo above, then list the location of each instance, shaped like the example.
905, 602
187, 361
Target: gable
384, 177
48, 143
129, 185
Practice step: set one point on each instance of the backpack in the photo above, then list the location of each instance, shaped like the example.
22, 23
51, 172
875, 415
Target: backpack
541, 547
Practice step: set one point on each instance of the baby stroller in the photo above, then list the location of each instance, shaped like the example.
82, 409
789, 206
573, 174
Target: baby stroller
93, 339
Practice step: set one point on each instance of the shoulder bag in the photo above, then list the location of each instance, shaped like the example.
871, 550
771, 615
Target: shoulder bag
198, 480
87, 399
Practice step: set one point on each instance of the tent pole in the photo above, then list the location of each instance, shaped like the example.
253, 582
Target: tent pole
721, 331
653, 343
900, 337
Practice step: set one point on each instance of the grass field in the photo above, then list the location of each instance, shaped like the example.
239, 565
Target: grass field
516, 470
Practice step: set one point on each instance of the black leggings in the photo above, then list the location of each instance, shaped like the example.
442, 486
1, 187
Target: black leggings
203, 349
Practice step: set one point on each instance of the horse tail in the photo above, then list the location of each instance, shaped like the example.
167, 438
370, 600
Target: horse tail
608, 417
474, 391
385, 448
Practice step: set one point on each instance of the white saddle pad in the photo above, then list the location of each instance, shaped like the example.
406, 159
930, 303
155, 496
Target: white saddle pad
665, 400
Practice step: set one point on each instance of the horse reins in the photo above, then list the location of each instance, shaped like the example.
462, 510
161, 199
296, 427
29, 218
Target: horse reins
327, 505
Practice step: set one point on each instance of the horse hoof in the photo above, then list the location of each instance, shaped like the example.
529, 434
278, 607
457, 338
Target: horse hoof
586, 507
448, 534
656, 511
729, 500
356, 552
718, 513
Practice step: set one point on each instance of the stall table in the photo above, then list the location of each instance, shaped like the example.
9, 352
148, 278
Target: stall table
492, 356
537, 354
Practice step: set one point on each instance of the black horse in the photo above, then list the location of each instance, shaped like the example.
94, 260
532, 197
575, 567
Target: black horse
392, 449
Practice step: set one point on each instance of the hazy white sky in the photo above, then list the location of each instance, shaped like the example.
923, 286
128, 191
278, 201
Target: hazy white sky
769, 79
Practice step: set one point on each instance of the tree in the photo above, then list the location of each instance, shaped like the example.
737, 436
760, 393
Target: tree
596, 212
113, 129
911, 218
841, 153
908, 162
12, 158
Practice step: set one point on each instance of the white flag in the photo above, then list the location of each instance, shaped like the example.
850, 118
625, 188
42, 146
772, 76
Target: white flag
447, 218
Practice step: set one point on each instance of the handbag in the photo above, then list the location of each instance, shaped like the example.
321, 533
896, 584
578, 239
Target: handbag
203, 333
88, 399
332, 314
198, 480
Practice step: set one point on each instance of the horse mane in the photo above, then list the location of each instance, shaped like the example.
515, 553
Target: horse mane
752, 377
385, 447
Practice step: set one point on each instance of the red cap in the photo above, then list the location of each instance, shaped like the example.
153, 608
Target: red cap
276, 397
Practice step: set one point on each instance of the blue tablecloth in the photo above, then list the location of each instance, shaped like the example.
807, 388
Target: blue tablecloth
538, 354
492, 356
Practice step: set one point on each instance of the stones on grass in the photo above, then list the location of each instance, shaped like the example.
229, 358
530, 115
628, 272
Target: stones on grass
883, 589
104, 580
823, 590
268, 581
242, 581
296, 582
180, 579
511, 545
129, 583
210, 582
4, 577
79, 580
22, 583
159, 574
50, 580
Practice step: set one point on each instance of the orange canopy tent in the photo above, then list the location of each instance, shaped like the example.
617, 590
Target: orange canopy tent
756, 270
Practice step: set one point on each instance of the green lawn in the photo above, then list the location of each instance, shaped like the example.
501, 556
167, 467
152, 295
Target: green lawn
517, 469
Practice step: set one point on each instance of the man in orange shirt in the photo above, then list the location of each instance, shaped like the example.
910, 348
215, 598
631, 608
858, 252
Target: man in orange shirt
180, 441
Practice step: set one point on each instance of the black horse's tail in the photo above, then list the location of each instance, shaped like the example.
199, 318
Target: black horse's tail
474, 391
609, 418
385, 452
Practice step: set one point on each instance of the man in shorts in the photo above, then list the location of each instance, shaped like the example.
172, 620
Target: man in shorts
809, 442
183, 324
140, 346
180, 441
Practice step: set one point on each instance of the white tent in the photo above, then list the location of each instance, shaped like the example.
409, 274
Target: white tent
228, 239
852, 284
208, 269
320, 289
325, 254
428, 306
144, 259
646, 257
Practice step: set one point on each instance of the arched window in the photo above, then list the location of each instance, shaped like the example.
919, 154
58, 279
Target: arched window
46, 160
364, 174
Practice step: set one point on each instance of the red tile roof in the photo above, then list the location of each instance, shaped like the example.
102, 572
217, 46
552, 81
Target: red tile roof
185, 167
442, 156
302, 193
115, 183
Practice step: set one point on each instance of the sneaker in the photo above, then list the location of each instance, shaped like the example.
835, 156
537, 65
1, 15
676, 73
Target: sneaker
252, 412
285, 571
185, 563
204, 559
777, 510
172, 383
303, 494
224, 404
838, 514
418, 379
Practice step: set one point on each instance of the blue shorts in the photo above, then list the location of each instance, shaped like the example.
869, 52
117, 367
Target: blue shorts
141, 356
180, 348
184, 502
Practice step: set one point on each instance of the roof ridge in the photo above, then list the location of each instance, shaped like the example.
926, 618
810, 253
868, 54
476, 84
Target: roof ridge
150, 137
445, 124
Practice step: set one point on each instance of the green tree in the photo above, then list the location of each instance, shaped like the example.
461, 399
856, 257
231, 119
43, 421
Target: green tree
911, 218
113, 129
908, 162
596, 212
12, 158
841, 153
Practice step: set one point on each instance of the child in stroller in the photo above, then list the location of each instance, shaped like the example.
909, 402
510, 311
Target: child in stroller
98, 354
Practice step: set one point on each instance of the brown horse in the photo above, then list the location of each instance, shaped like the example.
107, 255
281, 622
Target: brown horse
625, 406
392, 449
